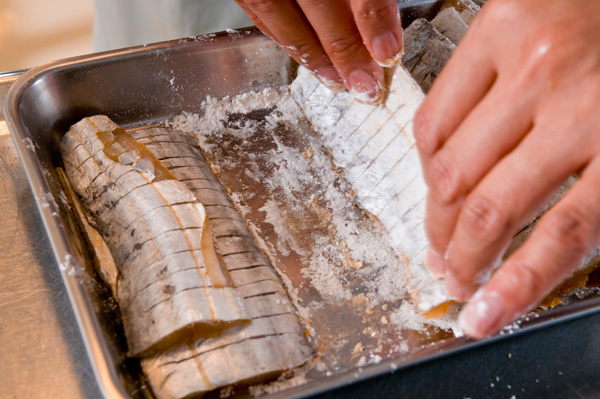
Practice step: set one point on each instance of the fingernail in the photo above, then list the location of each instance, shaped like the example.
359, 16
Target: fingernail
330, 77
364, 87
435, 263
455, 290
386, 49
481, 316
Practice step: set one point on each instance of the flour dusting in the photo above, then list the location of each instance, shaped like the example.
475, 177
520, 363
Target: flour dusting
337, 262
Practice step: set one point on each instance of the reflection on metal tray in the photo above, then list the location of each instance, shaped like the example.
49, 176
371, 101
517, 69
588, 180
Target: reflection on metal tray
138, 87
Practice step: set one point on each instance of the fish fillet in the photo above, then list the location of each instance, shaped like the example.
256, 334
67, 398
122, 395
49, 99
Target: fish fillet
171, 283
426, 52
257, 333
450, 24
273, 340
467, 9
375, 147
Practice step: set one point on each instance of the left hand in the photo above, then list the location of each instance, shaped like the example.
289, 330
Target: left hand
343, 42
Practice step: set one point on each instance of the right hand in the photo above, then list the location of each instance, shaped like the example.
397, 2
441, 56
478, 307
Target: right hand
343, 42
513, 114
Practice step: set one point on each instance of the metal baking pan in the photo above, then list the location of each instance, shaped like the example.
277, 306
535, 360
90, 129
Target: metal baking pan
141, 86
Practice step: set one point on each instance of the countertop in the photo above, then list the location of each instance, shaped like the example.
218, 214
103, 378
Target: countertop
43, 355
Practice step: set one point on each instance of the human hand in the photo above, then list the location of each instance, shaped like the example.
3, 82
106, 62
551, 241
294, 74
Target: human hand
514, 113
344, 42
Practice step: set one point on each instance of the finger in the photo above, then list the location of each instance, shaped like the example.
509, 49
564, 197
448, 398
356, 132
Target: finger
507, 196
487, 134
287, 24
343, 44
464, 81
380, 27
468, 76
564, 236
254, 18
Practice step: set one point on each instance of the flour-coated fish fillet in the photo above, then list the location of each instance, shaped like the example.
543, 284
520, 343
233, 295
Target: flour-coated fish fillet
375, 147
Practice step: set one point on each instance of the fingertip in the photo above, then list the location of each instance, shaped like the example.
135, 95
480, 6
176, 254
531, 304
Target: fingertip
483, 315
380, 26
435, 263
387, 49
330, 77
366, 85
458, 291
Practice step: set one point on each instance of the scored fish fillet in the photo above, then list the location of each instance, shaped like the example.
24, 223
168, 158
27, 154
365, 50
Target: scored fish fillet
426, 52
450, 24
264, 341
375, 147
273, 340
171, 284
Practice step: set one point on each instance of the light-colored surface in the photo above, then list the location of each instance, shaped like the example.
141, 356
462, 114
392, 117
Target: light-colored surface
33, 32
124, 23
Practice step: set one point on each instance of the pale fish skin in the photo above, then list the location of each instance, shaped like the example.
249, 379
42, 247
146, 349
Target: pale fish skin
273, 340
154, 230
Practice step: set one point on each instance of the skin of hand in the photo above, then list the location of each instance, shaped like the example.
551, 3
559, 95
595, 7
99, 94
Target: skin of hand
343, 42
514, 113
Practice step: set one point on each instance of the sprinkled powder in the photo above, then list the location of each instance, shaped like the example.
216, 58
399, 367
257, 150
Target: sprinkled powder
336, 261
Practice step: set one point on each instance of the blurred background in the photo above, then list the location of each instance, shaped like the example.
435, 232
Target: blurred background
33, 32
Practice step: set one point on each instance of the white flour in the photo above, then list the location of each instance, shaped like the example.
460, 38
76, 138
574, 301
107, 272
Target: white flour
344, 256
216, 112
292, 175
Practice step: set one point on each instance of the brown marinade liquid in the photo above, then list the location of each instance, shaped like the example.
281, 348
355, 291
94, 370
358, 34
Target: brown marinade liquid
125, 140
217, 272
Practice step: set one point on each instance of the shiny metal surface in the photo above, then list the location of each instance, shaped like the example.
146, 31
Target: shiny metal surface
146, 84
40, 340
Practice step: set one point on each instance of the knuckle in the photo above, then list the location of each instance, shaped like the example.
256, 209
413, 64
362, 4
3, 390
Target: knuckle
484, 218
540, 62
444, 177
344, 49
531, 280
262, 7
424, 137
572, 228
374, 11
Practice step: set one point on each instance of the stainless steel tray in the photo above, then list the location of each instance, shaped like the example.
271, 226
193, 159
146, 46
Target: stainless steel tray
143, 85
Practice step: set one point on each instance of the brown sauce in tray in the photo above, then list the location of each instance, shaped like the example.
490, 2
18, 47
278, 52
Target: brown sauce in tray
127, 143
